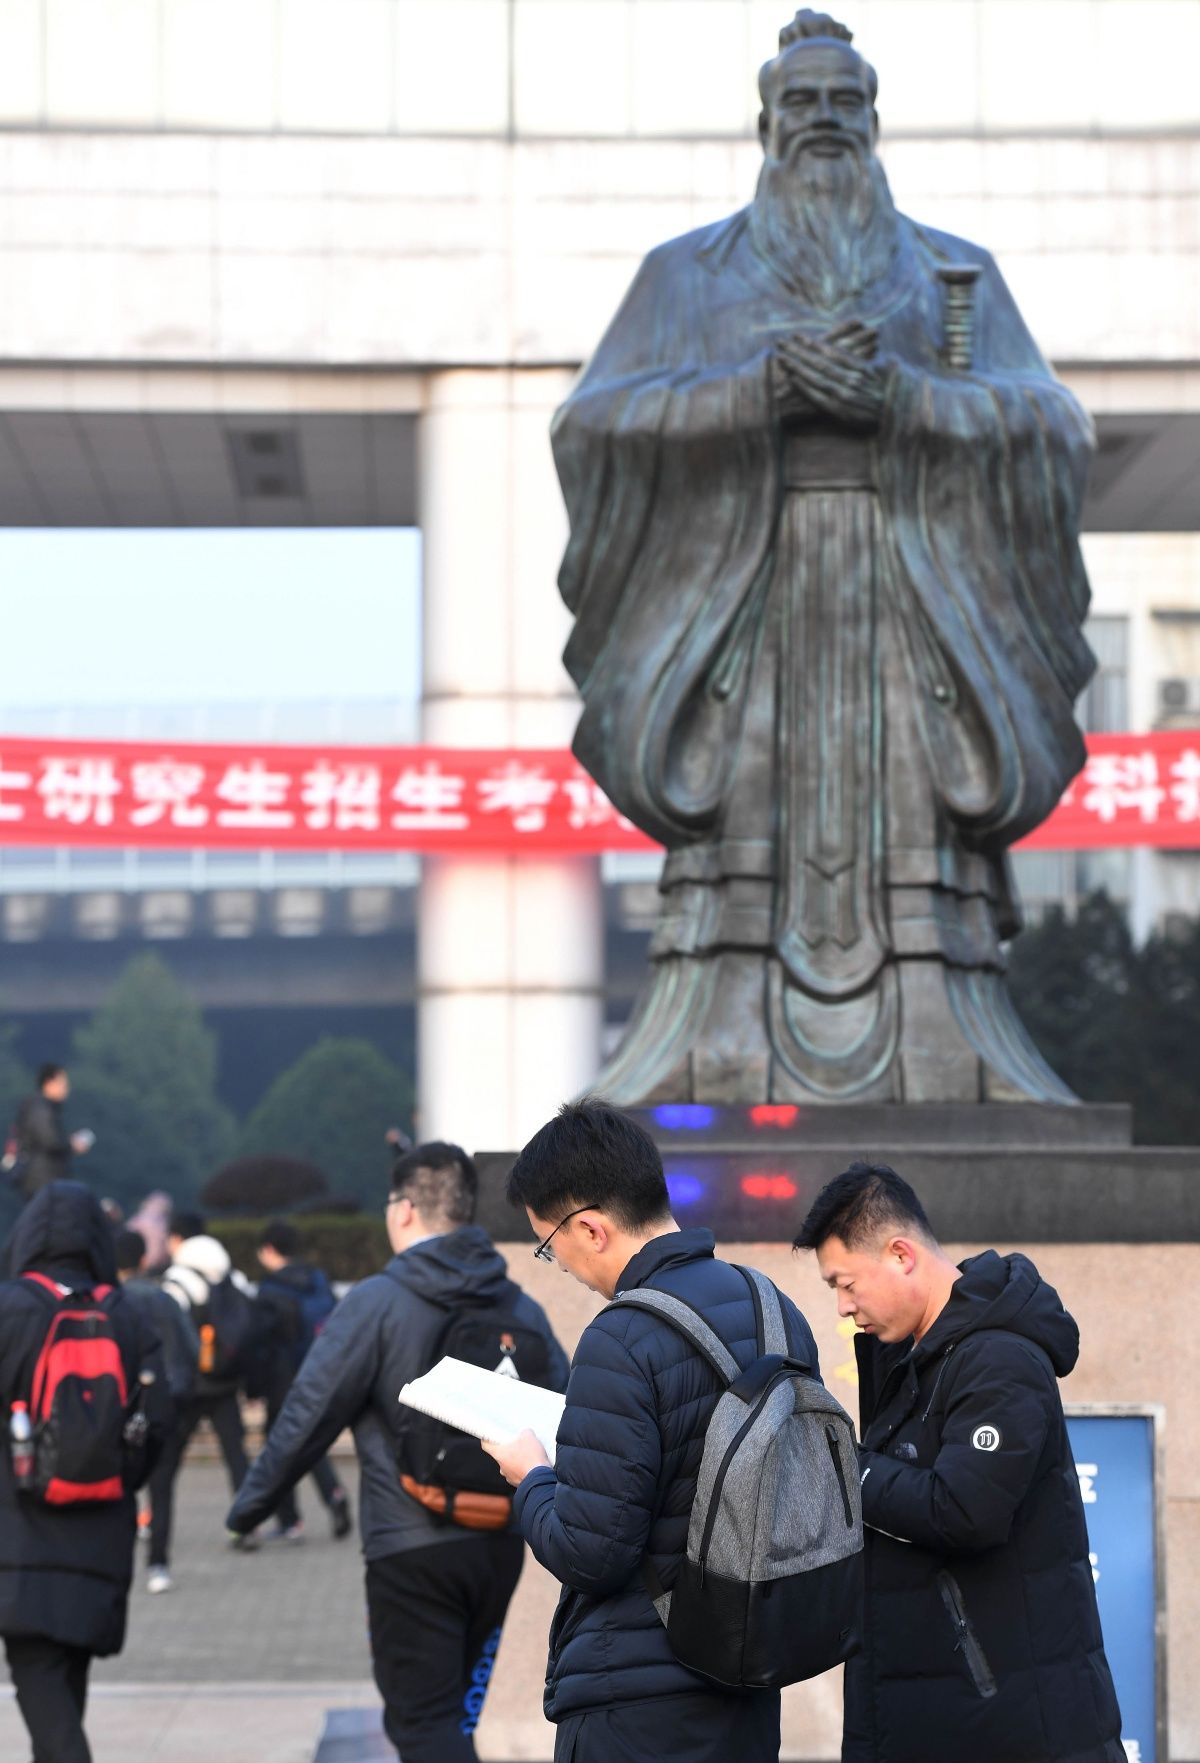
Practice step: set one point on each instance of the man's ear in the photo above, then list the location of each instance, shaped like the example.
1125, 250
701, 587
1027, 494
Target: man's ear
598, 1233
764, 124
903, 1251
874, 127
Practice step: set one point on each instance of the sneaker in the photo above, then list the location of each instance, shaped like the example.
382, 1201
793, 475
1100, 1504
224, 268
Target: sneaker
286, 1533
341, 1516
159, 1581
244, 1545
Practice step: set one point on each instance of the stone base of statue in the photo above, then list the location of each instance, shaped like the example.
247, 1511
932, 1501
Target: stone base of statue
730, 1028
1003, 1173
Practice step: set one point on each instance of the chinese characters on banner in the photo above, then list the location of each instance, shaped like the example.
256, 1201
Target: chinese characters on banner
1134, 790
299, 798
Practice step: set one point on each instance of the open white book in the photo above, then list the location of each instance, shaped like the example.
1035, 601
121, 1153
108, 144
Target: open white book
485, 1403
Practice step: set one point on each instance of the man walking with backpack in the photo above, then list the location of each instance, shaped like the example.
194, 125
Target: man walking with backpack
85, 1408
982, 1637
296, 1302
172, 1328
200, 1280
437, 1588
647, 1444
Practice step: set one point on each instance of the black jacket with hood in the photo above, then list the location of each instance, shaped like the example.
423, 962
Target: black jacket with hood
982, 1637
383, 1333
65, 1572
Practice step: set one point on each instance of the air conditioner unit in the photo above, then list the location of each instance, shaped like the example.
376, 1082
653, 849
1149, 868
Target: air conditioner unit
1179, 697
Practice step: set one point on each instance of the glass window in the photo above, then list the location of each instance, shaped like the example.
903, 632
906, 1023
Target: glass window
1104, 706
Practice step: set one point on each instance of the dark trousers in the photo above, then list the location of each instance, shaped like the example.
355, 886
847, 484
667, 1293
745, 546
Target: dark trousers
324, 1474
226, 1417
435, 1616
51, 1684
694, 1729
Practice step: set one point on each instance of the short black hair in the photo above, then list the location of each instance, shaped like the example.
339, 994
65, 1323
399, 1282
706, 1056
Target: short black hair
591, 1154
281, 1236
859, 1205
187, 1225
129, 1246
47, 1074
440, 1179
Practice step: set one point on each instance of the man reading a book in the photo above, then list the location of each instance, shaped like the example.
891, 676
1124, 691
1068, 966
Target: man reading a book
628, 1450
437, 1590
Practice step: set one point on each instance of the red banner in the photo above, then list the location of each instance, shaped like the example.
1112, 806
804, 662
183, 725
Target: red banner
1134, 790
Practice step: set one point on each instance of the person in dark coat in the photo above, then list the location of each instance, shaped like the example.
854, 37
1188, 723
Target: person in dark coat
44, 1147
65, 1571
628, 1452
176, 1335
437, 1595
982, 1636
296, 1301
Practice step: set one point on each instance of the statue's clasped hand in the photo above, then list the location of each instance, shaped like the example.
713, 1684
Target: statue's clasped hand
836, 375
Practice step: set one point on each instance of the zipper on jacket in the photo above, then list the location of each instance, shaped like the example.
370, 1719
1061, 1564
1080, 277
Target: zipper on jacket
937, 1382
968, 1641
831, 1441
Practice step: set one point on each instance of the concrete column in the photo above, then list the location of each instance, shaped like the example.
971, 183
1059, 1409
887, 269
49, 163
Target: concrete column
510, 951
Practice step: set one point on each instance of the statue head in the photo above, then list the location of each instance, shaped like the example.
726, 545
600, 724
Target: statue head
818, 94
823, 211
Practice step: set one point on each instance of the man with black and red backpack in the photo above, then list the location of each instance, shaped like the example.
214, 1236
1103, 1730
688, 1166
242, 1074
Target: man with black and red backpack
85, 1408
437, 1588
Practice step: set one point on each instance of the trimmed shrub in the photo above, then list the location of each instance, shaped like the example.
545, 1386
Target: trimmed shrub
347, 1248
264, 1184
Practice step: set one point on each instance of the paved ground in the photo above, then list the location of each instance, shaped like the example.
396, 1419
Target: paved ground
245, 1659
289, 1613
253, 1648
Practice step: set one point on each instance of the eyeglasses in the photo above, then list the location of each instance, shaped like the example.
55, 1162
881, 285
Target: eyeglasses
544, 1252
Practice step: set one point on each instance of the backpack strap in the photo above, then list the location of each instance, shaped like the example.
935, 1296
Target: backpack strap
768, 1313
685, 1321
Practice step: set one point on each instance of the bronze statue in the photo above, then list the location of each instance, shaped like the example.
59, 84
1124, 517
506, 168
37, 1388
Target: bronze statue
824, 498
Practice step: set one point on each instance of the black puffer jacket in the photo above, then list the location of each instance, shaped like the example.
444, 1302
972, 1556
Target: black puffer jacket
65, 1572
629, 1448
982, 1637
383, 1333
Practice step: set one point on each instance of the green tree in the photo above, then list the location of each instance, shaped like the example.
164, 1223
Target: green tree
16, 1079
333, 1107
1117, 1022
143, 1077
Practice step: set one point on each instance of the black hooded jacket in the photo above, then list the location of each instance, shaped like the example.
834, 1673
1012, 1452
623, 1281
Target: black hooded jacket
383, 1333
982, 1637
65, 1572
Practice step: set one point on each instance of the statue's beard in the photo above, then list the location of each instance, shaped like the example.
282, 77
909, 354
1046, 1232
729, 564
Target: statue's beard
828, 224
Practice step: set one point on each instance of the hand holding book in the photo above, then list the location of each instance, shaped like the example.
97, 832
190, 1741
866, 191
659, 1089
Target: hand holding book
516, 1457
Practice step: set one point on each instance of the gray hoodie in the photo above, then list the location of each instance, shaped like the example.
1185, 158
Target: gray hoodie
382, 1334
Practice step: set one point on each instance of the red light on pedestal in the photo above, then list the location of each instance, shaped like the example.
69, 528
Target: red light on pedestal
774, 1114
769, 1187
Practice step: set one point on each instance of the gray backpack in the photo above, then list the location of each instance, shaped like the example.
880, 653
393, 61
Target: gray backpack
769, 1590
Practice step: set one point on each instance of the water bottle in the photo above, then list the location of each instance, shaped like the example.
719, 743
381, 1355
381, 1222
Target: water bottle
137, 1424
20, 1434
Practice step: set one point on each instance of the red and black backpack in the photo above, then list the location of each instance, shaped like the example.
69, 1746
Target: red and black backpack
79, 1400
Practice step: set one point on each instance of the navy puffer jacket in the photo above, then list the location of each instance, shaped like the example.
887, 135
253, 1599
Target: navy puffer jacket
629, 1448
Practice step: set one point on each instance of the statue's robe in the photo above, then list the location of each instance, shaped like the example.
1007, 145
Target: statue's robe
833, 673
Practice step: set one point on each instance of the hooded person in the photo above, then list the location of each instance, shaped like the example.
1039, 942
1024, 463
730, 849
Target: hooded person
981, 1636
437, 1593
65, 1568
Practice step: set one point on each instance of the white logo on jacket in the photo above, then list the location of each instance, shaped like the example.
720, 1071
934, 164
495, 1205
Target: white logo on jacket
986, 1438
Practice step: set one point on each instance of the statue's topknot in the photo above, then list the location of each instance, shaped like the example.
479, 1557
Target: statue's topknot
808, 23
